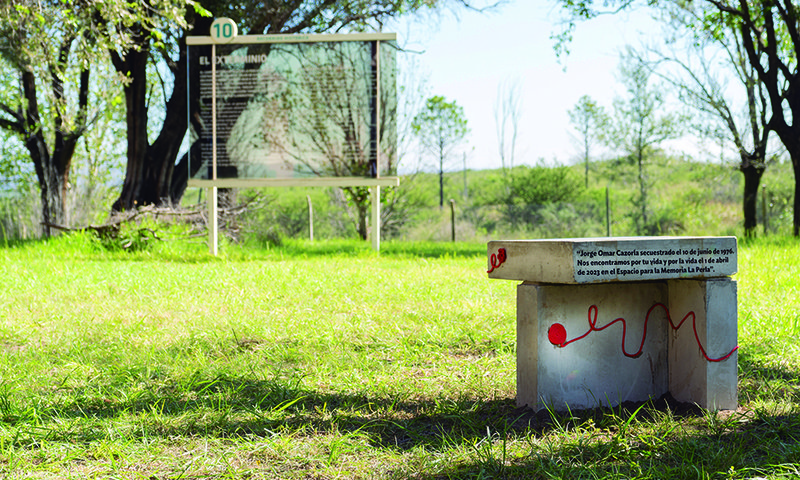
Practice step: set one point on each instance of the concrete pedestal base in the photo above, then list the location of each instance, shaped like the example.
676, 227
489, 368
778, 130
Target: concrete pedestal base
636, 357
609, 320
692, 377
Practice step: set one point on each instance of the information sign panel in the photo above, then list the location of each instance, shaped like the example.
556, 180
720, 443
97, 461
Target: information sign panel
292, 107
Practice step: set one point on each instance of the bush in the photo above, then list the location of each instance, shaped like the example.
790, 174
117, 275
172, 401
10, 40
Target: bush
532, 188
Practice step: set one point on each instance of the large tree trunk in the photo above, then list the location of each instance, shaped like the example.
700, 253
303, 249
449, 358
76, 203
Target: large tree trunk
790, 137
52, 170
162, 154
149, 169
152, 176
752, 169
796, 225
134, 67
54, 198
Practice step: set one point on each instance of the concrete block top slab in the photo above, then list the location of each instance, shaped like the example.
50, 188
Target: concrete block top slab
612, 259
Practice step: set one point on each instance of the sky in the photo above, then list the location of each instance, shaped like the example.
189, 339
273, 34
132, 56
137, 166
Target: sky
469, 55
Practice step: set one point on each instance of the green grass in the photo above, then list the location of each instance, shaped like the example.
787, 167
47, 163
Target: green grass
325, 360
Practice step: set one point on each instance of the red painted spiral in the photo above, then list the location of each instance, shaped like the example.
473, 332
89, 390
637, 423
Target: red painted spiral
557, 333
496, 259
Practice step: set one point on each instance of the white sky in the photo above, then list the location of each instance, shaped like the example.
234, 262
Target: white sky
470, 56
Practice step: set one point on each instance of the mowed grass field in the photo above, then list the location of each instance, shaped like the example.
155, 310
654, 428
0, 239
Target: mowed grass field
327, 361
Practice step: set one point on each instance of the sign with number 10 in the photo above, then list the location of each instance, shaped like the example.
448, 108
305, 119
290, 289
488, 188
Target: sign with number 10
223, 30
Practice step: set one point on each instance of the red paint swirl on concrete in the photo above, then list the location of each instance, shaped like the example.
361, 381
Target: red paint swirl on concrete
496, 259
557, 334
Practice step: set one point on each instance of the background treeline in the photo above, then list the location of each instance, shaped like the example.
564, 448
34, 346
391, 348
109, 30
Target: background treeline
687, 198
93, 123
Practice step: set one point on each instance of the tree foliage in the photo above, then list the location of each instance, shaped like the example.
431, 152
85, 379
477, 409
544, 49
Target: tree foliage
639, 125
45, 53
54, 52
589, 119
534, 188
442, 129
770, 39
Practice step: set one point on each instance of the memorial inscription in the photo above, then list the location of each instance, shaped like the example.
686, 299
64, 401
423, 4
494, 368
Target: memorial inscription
599, 262
619, 259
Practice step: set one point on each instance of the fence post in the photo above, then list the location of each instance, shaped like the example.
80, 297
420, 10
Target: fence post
608, 214
452, 220
376, 217
213, 221
764, 209
310, 219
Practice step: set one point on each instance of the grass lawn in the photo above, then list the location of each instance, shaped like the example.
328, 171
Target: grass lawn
327, 361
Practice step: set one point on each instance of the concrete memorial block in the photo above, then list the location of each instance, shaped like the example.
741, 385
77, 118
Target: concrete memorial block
605, 321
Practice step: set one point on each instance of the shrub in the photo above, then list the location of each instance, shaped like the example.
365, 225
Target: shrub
532, 188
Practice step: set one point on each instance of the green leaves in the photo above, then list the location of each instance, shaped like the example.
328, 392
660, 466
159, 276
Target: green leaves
536, 186
640, 121
441, 126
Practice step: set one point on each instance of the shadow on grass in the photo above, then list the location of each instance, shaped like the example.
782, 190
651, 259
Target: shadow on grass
765, 446
226, 406
662, 439
765, 380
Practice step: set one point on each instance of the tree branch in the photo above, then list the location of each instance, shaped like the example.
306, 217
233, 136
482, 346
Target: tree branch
17, 125
789, 16
57, 86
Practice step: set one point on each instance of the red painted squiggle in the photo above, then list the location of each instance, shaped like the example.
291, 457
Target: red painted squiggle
495, 260
558, 334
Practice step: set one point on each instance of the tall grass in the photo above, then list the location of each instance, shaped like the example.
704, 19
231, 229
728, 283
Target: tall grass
325, 360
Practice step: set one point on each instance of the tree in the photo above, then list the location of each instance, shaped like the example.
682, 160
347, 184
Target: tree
770, 39
53, 47
157, 31
507, 114
47, 48
588, 118
639, 125
698, 68
442, 128
154, 174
